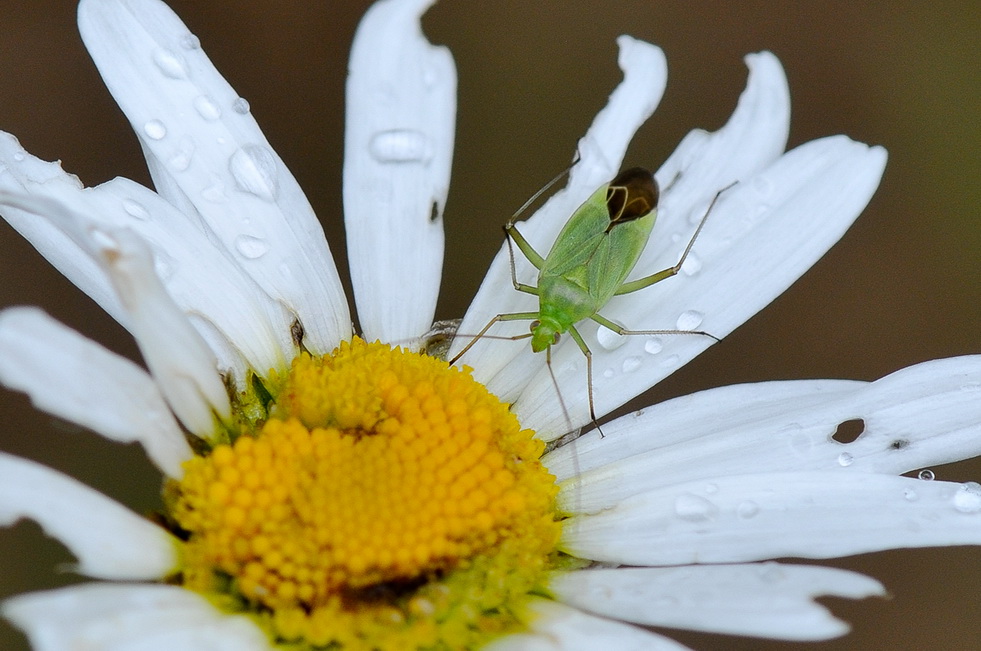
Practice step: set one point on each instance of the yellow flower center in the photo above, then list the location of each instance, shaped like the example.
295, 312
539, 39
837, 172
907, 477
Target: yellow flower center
388, 501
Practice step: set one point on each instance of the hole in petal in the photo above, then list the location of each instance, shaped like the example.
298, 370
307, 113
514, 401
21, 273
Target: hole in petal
849, 430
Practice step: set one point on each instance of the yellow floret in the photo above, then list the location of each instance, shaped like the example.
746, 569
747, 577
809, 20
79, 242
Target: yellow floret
386, 492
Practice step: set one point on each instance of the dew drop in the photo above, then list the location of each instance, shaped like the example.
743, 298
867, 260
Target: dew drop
654, 345
763, 186
251, 247
690, 320
971, 387
845, 459
190, 42
155, 129
215, 192
430, 76
206, 108
747, 509
181, 159
910, 495
608, 373
608, 339
631, 364
694, 508
241, 106
926, 475
967, 499
670, 361
254, 169
693, 264
164, 269
18, 156
401, 146
134, 209
169, 64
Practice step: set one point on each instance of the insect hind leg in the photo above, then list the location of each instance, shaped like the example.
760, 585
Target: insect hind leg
620, 330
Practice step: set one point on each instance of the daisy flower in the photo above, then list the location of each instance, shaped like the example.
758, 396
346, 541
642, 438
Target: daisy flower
320, 491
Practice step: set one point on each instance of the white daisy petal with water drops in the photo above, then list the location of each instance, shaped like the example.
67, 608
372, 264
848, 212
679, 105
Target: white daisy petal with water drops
208, 158
324, 492
398, 146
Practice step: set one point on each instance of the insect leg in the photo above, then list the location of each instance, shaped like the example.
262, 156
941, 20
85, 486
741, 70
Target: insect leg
514, 316
620, 330
589, 374
647, 281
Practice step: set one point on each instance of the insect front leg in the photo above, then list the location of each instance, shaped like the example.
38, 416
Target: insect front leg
513, 236
513, 316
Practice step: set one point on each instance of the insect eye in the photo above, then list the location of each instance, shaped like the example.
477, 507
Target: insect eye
534, 325
555, 338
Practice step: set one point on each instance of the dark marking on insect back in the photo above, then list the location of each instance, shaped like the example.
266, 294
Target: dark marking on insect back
631, 195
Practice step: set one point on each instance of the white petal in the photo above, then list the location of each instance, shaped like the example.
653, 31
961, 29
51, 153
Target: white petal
109, 541
244, 327
763, 234
928, 414
602, 150
129, 618
207, 154
557, 627
754, 137
775, 515
18, 168
74, 378
763, 600
179, 359
398, 147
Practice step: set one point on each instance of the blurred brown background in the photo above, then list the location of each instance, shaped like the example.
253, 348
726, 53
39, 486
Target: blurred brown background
902, 286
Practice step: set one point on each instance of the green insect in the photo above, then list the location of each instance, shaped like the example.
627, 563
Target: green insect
588, 265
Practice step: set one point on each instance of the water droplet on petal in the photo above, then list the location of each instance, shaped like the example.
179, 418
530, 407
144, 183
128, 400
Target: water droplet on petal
694, 508
430, 76
763, 186
206, 108
134, 209
251, 247
654, 345
170, 64
690, 320
692, 266
926, 475
967, 499
845, 459
241, 106
747, 509
609, 339
971, 387
190, 42
215, 192
254, 169
155, 130
181, 159
910, 495
671, 361
18, 156
608, 373
631, 364
401, 146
